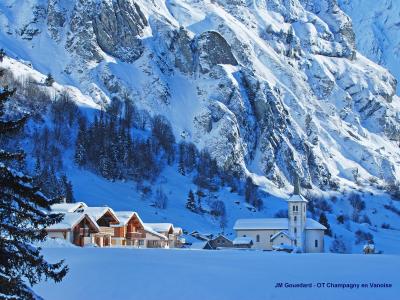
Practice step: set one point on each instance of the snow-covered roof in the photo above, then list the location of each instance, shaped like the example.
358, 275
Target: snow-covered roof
97, 212
125, 216
67, 207
160, 227
242, 240
284, 232
272, 223
178, 230
369, 246
199, 245
71, 220
153, 232
297, 198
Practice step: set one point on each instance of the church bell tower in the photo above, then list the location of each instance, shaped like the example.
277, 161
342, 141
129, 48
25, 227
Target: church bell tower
297, 210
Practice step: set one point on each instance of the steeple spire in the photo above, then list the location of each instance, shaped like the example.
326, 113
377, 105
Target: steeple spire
296, 184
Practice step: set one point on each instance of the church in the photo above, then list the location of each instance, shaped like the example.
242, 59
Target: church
295, 232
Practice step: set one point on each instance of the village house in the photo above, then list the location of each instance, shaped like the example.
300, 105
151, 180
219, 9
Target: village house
295, 232
129, 231
105, 218
220, 241
167, 230
243, 242
77, 228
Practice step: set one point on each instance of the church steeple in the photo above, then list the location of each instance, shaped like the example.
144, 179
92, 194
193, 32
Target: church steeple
297, 208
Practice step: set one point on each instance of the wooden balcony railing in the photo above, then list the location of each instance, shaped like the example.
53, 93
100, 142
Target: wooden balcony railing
107, 230
135, 235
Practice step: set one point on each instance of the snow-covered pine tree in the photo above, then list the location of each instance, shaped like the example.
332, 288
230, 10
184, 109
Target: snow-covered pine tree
191, 203
23, 218
324, 221
49, 80
68, 190
2, 54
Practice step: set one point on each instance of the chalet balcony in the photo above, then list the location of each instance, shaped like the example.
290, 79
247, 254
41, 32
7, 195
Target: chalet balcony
84, 232
135, 235
107, 230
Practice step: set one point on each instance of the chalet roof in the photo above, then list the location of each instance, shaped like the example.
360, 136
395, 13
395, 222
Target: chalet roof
284, 232
67, 207
219, 236
97, 212
178, 230
297, 198
201, 245
160, 227
153, 232
273, 223
125, 216
71, 220
243, 240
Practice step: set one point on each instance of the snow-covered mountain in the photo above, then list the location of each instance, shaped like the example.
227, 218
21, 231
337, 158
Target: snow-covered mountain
272, 89
376, 25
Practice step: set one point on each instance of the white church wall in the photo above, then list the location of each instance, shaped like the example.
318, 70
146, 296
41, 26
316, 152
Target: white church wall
311, 237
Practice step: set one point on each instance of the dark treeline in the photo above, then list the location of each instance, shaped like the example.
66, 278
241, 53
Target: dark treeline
126, 143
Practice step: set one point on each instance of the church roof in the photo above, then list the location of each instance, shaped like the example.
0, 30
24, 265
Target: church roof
297, 198
272, 223
284, 232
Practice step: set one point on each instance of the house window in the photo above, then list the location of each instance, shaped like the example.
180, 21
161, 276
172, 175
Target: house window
295, 242
295, 230
244, 235
316, 243
258, 238
141, 242
304, 208
295, 218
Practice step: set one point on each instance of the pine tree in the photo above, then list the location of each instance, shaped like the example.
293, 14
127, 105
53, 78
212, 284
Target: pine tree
190, 203
49, 80
23, 219
68, 190
324, 221
2, 54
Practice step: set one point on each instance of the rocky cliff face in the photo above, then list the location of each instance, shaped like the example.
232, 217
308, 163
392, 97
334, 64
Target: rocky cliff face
274, 88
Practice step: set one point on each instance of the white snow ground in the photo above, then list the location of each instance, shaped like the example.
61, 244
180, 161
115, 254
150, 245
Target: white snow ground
232, 274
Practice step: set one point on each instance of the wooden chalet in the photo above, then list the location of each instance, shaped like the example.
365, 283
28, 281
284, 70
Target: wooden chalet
129, 231
105, 218
221, 242
76, 228
169, 232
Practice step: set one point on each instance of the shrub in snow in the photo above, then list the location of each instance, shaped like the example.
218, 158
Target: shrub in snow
393, 189
392, 208
385, 226
365, 219
362, 236
338, 246
340, 219
160, 199
356, 202
217, 208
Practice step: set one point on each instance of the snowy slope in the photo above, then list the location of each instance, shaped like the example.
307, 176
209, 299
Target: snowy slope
272, 89
376, 24
202, 274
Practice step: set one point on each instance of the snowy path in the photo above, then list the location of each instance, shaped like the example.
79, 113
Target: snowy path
189, 274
